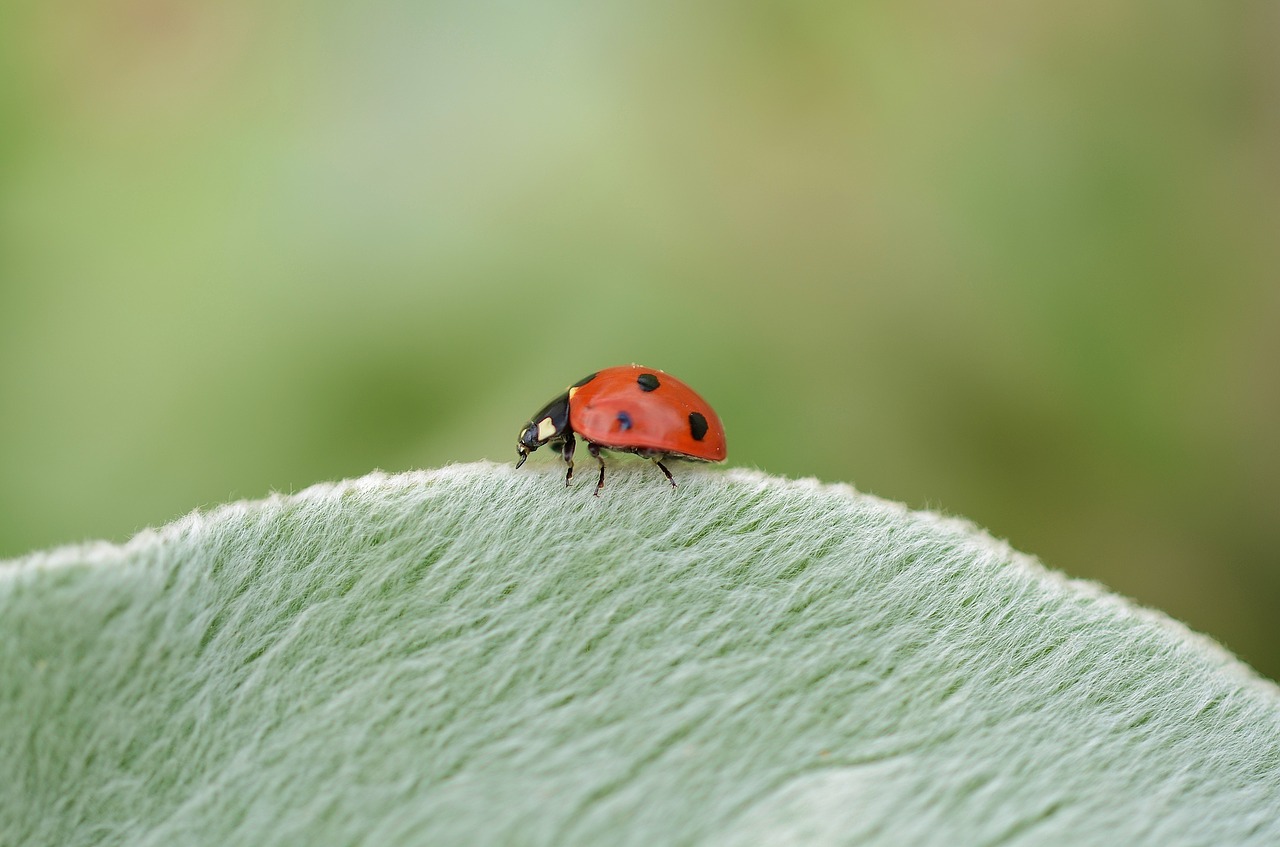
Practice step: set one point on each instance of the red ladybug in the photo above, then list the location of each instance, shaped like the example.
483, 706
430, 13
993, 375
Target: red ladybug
630, 409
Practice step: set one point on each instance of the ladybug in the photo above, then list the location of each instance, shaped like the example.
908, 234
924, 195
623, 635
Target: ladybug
630, 409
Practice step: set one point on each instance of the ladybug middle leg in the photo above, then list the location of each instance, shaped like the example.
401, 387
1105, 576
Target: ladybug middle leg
594, 450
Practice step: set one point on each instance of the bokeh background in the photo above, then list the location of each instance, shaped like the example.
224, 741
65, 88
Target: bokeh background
1016, 262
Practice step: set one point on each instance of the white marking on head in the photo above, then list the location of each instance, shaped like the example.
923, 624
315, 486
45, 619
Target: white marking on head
546, 429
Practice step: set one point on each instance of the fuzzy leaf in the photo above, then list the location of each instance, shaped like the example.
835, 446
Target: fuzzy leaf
477, 655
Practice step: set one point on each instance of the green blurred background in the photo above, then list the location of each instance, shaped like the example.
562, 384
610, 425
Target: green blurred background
1016, 262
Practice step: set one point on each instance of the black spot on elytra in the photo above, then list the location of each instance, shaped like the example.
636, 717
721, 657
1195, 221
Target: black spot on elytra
647, 382
584, 381
697, 426
624, 421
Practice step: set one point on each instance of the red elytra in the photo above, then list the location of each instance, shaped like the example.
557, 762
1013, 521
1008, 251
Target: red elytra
629, 409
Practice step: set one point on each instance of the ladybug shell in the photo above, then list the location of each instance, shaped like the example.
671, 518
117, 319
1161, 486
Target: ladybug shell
638, 409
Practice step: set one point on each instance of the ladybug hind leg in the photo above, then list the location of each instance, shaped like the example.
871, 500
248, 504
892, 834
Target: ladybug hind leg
657, 460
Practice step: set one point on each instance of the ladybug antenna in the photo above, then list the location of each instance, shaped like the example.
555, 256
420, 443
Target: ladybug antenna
522, 453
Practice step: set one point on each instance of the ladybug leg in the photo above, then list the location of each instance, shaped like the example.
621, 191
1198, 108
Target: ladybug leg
566, 450
663, 468
594, 450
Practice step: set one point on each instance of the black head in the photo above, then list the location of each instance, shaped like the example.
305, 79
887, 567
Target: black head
550, 424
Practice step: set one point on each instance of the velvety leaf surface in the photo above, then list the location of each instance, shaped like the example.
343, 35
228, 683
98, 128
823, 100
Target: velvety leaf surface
478, 655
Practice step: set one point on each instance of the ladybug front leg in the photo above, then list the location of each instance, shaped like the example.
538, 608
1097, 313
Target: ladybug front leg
594, 450
566, 450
